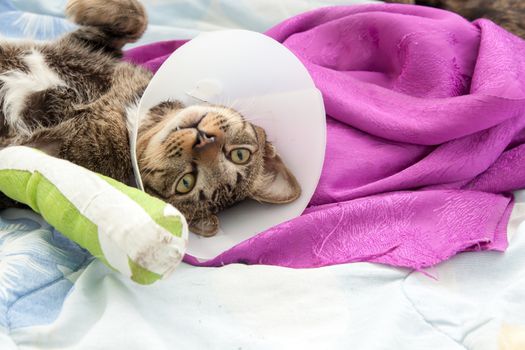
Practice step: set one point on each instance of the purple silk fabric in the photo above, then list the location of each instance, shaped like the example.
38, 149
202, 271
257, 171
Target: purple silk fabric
425, 137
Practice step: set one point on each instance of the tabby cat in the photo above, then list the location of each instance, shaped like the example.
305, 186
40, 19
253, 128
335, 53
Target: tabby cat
509, 14
72, 97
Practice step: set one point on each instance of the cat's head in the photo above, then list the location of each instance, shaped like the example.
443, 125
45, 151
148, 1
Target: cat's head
205, 158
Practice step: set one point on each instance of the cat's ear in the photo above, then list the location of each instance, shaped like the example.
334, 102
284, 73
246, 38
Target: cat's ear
205, 227
276, 184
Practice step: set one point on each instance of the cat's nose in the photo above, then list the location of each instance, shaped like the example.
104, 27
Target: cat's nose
206, 147
203, 139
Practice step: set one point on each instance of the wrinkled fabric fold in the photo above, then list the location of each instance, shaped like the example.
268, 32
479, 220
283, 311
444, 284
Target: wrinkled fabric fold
425, 134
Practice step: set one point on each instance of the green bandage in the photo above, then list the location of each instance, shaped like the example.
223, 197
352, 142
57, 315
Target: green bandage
130, 231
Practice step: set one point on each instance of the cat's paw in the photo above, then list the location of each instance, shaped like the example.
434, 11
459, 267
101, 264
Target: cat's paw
205, 227
124, 19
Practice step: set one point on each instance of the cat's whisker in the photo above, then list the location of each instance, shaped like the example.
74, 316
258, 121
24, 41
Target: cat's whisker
251, 120
234, 104
146, 172
246, 120
244, 110
249, 109
150, 158
190, 218
154, 157
251, 196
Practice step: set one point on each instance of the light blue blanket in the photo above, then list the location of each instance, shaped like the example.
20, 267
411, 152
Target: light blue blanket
38, 267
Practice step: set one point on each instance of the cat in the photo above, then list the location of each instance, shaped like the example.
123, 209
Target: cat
72, 98
507, 13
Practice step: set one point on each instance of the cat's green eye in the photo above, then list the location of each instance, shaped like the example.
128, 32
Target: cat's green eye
240, 155
186, 183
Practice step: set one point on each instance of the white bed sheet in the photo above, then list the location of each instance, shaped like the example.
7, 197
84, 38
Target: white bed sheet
475, 301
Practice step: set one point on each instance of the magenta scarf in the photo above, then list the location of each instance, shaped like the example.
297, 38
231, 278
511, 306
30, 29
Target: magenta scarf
425, 137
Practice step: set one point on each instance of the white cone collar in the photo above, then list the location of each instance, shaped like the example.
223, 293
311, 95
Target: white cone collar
257, 75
